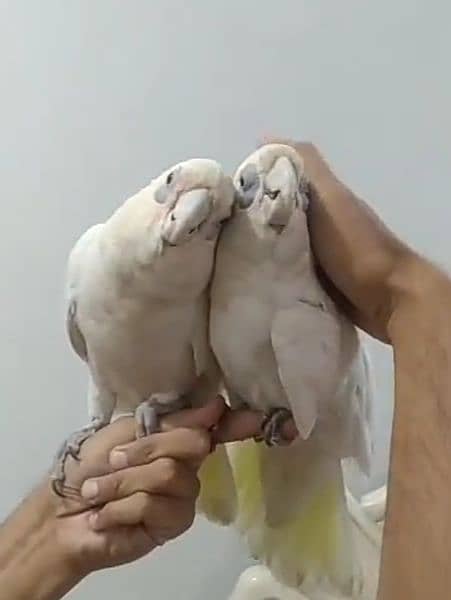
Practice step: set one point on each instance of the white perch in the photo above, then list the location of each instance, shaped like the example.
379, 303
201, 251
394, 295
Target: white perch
257, 583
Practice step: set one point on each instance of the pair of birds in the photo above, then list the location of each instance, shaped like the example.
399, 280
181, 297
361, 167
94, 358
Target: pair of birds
199, 283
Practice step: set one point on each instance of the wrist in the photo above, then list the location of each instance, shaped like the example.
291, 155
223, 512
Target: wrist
421, 302
33, 560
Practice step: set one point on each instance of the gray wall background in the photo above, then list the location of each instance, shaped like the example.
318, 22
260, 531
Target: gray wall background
98, 96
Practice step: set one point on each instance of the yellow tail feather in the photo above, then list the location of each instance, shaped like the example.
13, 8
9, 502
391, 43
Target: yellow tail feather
245, 461
312, 546
217, 499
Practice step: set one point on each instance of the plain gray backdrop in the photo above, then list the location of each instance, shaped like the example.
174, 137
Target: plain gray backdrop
97, 96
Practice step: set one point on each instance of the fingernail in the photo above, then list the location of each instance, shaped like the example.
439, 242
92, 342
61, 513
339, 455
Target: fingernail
89, 490
118, 459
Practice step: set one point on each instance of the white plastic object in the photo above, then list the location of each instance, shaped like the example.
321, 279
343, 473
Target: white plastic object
257, 583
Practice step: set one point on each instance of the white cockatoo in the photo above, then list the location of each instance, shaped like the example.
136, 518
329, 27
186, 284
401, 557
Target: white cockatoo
285, 349
137, 310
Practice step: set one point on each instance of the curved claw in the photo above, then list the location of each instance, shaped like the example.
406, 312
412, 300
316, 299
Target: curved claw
57, 486
74, 453
71, 447
272, 426
64, 491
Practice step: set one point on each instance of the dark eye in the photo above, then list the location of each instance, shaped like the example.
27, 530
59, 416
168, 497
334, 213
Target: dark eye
170, 178
273, 194
249, 178
249, 183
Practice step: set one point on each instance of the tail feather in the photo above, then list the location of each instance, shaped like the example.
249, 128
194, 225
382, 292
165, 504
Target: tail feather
217, 499
245, 462
292, 513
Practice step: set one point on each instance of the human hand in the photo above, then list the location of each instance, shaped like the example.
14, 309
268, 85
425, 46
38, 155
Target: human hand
362, 265
141, 500
130, 496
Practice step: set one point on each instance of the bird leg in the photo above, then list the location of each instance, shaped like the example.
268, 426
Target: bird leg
71, 447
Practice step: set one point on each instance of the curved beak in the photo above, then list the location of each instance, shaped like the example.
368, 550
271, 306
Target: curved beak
281, 184
190, 211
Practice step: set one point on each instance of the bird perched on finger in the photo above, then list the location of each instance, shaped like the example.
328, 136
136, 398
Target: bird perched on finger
284, 348
137, 310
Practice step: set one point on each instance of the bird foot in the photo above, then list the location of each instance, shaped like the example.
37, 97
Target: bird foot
150, 411
271, 428
71, 447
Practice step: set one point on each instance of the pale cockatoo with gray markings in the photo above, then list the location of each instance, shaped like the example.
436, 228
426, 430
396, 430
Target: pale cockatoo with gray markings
137, 310
285, 349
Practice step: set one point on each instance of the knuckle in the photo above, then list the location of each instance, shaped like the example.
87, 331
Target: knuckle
202, 443
148, 447
142, 450
169, 471
117, 483
109, 487
147, 504
197, 442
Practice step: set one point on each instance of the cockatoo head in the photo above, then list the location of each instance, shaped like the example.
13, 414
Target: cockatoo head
194, 198
271, 186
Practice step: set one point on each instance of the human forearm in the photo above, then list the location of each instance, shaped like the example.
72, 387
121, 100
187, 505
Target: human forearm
417, 537
32, 563
400, 297
339, 216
